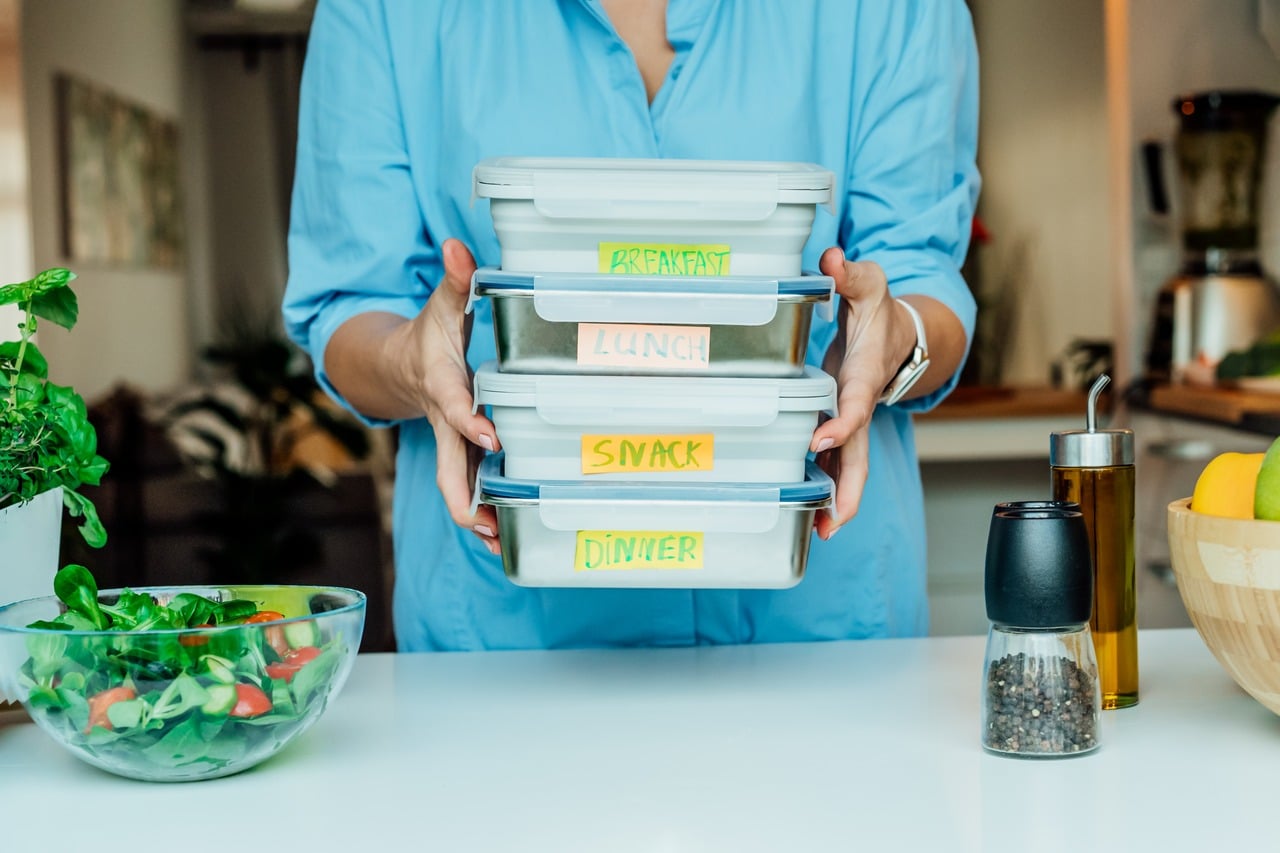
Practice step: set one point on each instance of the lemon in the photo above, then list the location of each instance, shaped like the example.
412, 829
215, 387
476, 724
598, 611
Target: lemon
1227, 484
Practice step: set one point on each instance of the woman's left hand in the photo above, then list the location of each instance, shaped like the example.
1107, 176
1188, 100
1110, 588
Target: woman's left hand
876, 336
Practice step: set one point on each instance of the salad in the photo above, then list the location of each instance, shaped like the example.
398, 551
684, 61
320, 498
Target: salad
151, 700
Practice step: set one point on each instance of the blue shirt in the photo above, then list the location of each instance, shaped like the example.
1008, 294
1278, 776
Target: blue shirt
401, 98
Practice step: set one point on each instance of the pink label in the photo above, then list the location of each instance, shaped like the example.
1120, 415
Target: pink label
642, 345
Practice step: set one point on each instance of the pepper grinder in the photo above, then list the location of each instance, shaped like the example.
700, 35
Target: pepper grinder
1094, 468
1040, 679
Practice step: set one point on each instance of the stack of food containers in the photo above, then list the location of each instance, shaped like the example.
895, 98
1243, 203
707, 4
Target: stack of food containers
650, 391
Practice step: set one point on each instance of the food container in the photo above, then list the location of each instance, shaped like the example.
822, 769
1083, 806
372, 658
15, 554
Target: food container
692, 535
600, 324
651, 217
685, 428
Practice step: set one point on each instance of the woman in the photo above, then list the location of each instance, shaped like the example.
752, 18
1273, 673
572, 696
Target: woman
401, 98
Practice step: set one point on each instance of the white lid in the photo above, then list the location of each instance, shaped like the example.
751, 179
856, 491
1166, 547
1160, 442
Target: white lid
600, 178
602, 298
646, 400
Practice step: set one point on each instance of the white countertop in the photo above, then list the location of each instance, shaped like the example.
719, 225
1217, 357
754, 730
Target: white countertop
836, 746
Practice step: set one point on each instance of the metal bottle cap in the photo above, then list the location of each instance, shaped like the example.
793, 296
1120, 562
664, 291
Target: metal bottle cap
1091, 447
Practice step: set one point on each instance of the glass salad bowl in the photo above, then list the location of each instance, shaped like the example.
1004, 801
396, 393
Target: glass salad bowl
178, 683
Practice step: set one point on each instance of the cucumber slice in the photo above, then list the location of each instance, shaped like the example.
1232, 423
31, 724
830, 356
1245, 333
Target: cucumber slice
219, 669
301, 634
222, 698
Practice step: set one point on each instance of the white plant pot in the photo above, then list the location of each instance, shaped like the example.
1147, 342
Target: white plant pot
30, 534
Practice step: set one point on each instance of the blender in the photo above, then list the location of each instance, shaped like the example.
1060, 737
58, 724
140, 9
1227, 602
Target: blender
1221, 299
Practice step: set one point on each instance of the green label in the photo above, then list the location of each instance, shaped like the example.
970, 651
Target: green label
663, 259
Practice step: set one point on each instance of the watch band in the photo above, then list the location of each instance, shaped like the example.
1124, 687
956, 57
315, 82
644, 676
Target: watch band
915, 365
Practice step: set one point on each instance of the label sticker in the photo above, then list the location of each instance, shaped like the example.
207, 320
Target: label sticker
640, 345
664, 259
613, 454
619, 550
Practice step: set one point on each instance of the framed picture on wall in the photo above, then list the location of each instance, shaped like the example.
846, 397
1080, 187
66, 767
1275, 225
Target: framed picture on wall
118, 174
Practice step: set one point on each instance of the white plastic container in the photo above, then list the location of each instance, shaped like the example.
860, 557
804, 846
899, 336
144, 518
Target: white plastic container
651, 217
599, 534
677, 429
649, 325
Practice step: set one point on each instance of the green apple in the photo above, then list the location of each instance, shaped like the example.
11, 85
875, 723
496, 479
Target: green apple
1266, 497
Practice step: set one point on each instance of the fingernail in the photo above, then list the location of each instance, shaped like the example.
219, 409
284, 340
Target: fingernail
486, 442
483, 530
493, 547
825, 444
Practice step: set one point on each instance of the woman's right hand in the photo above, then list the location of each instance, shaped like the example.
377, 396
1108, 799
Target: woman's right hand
428, 358
392, 368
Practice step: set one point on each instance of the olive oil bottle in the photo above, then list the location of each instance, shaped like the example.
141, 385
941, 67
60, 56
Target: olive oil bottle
1094, 468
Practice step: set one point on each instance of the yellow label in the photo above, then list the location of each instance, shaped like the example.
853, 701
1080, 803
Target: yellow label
619, 550
641, 345
612, 454
664, 259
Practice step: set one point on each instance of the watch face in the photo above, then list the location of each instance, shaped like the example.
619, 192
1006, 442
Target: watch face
904, 380
915, 366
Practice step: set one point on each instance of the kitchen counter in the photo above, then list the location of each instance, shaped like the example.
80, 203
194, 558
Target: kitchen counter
996, 423
833, 746
1251, 411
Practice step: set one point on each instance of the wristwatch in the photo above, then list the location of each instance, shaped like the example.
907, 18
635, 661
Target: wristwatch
915, 365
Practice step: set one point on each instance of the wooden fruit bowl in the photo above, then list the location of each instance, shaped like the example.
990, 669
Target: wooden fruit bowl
1228, 573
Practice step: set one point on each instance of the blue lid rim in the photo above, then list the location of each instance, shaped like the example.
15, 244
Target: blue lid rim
816, 486
807, 284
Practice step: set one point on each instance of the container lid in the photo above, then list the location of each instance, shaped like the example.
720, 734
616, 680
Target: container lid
648, 400
600, 178
690, 300
1091, 447
496, 280
816, 488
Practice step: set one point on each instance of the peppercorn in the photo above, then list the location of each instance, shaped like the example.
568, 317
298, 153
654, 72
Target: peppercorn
1039, 706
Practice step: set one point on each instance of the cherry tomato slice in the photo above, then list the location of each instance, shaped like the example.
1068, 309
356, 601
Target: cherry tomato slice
301, 657
250, 702
293, 660
265, 616
282, 670
193, 640
274, 634
100, 702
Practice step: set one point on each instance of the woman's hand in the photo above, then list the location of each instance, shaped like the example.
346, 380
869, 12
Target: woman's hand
434, 359
876, 336
390, 367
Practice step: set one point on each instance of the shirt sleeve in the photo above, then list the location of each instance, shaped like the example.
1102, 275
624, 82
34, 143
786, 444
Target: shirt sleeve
357, 241
913, 177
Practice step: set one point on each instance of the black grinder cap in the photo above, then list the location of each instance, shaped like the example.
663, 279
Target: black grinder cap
1039, 569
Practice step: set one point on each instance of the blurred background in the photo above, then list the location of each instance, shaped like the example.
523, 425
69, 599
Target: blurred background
148, 145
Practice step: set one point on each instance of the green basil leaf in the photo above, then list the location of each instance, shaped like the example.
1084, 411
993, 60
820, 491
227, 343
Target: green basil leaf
51, 279
93, 531
57, 306
14, 294
33, 361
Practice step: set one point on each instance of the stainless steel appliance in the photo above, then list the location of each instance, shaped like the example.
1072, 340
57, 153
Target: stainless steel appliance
1221, 299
